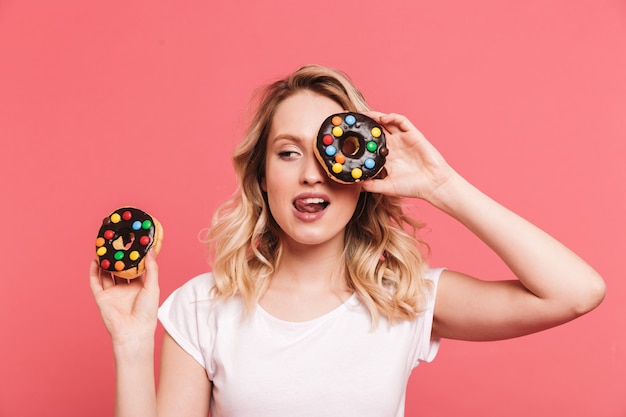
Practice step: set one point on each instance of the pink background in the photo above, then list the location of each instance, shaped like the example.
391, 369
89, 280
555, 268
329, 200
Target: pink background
104, 104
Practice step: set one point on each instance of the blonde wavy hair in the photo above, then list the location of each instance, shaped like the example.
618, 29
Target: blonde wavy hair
383, 261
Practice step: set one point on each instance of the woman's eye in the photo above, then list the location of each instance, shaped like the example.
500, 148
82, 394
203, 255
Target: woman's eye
287, 154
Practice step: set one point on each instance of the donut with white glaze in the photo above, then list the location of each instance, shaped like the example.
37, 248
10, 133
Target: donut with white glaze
351, 147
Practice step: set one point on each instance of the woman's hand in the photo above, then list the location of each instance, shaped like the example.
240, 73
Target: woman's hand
128, 308
414, 167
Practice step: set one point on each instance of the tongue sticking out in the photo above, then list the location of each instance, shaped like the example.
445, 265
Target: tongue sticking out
310, 205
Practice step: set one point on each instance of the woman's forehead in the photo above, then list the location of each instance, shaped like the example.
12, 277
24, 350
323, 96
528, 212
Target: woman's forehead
302, 114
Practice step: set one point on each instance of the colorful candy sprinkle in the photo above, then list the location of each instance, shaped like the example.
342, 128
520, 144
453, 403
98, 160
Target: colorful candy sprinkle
336, 120
119, 266
109, 234
369, 163
371, 146
357, 173
350, 120
146, 224
127, 215
340, 158
136, 225
330, 150
337, 131
145, 240
115, 218
328, 140
134, 255
105, 264
100, 241
376, 132
101, 251
337, 168
119, 255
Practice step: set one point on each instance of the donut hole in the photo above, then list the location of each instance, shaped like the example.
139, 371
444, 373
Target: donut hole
352, 146
125, 240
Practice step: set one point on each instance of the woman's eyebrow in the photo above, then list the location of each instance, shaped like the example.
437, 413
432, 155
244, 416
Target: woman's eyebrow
288, 137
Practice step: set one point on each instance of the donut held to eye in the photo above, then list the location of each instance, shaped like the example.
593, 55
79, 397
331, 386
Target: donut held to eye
124, 239
351, 147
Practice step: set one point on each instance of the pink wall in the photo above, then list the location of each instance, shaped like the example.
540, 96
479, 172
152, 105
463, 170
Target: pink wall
139, 102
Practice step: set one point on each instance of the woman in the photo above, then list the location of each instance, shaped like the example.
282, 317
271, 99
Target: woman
320, 302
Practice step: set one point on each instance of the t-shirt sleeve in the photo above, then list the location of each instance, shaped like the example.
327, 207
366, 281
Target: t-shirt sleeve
427, 347
184, 316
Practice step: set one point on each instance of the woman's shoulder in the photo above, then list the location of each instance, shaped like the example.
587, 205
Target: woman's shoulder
183, 310
433, 274
200, 283
203, 281
196, 289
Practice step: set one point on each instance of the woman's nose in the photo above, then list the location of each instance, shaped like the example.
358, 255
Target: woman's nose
312, 172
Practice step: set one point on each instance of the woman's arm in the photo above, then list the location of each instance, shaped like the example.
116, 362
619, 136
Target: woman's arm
554, 285
129, 312
184, 386
134, 375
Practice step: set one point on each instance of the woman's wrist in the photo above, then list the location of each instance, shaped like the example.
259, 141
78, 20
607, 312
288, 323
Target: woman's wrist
133, 346
449, 193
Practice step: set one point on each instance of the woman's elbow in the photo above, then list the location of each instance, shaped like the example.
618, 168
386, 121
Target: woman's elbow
591, 295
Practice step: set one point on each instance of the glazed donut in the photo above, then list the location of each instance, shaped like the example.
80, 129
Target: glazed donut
351, 147
124, 238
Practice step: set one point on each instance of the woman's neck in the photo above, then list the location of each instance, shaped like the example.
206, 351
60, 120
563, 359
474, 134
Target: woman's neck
311, 267
309, 281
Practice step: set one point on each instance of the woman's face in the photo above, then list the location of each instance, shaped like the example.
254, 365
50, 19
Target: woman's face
308, 206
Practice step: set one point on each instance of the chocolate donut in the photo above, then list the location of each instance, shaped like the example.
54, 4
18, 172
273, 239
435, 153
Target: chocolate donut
351, 147
124, 238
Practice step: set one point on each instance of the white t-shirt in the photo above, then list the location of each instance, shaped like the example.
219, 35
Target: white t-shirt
334, 365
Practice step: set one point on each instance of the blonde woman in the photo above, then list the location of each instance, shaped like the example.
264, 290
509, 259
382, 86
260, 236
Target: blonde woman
319, 301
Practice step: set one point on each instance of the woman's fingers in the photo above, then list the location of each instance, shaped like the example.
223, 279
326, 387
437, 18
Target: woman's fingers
392, 122
152, 272
101, 280
398, 121
95, 283
378, 186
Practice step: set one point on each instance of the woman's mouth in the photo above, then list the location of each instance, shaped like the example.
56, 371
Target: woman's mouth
310, 204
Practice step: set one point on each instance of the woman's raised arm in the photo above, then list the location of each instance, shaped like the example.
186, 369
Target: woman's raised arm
553, 284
